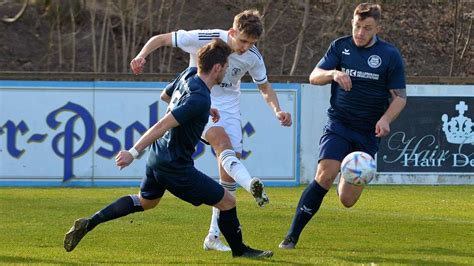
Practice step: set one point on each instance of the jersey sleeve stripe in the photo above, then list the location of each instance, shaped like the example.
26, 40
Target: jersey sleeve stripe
175, 39
255, 49
208, 36
256, 53
214, 34
259, 80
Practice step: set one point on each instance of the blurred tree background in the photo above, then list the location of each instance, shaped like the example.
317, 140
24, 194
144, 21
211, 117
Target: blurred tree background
102, 36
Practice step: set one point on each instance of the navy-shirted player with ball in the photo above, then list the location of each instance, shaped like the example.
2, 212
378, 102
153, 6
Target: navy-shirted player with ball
364, 72
170, 165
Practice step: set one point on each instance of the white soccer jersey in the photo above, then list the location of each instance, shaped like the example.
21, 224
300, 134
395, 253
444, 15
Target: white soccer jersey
224, 97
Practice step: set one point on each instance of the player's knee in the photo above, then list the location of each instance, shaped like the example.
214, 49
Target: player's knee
148, 204
325, 179
227, 203
230, 202
221, 146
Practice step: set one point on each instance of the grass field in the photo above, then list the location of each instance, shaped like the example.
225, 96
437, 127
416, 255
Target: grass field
431, 225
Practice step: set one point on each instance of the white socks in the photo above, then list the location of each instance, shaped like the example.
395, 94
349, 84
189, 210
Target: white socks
239, 173
235, 168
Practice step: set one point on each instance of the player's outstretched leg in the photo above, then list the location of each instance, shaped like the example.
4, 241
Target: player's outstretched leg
121, 207
75, 234
240, 174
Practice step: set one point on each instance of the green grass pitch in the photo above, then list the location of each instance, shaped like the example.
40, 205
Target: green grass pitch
429, 225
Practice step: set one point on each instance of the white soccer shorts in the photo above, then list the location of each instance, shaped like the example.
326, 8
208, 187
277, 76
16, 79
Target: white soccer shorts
232, 126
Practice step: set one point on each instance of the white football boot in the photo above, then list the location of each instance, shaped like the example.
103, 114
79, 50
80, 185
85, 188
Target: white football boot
214, 243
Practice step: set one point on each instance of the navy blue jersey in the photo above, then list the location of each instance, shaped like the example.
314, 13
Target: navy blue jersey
190, 103
373, 72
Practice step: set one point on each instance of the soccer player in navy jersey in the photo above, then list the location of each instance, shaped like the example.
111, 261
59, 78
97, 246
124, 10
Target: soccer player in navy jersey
225, 136
367, 93
170, 165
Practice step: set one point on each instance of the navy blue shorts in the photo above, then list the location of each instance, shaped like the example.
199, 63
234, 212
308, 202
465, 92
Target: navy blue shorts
338, 141
193, 187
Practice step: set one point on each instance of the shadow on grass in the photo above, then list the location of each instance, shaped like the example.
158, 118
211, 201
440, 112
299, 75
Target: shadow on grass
380, 260
25, 260
446, 251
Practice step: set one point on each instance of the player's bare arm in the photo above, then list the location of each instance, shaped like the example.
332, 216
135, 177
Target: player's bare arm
321, 76
272, 100
399, 99
154, 43
124, 158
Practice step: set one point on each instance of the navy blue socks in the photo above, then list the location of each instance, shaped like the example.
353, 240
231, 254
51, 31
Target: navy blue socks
230, 227
308, 205
121, 207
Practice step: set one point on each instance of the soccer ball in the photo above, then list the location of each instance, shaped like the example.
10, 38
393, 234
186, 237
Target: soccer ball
358, 168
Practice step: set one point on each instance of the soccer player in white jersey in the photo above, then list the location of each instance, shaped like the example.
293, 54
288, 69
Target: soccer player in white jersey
225, 136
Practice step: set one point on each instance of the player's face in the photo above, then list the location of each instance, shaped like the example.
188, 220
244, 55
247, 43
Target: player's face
241, 42
364, 30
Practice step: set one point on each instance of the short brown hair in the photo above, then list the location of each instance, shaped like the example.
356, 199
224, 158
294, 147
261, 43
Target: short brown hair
366, 10
249, 22
215, 52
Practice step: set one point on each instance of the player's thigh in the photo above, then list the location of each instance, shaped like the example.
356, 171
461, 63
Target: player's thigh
367, 143
217, 137
197, 188
225, 134
233, 128
151, 191
334, 143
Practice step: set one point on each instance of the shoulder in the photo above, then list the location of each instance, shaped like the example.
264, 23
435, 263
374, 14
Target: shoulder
389, 48
184, 76
342, 41
256, 53
340, 44
197, 87
190, 71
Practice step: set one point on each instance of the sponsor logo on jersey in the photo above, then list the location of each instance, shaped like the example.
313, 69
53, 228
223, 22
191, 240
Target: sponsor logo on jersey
236, 71
360, 74
346, 52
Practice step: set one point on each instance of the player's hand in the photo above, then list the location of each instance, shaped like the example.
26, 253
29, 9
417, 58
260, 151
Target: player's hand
382, 128
214, 114
137, 65
284, 117
123, 159
343, 80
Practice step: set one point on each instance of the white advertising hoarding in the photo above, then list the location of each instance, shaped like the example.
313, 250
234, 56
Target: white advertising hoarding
68, 133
